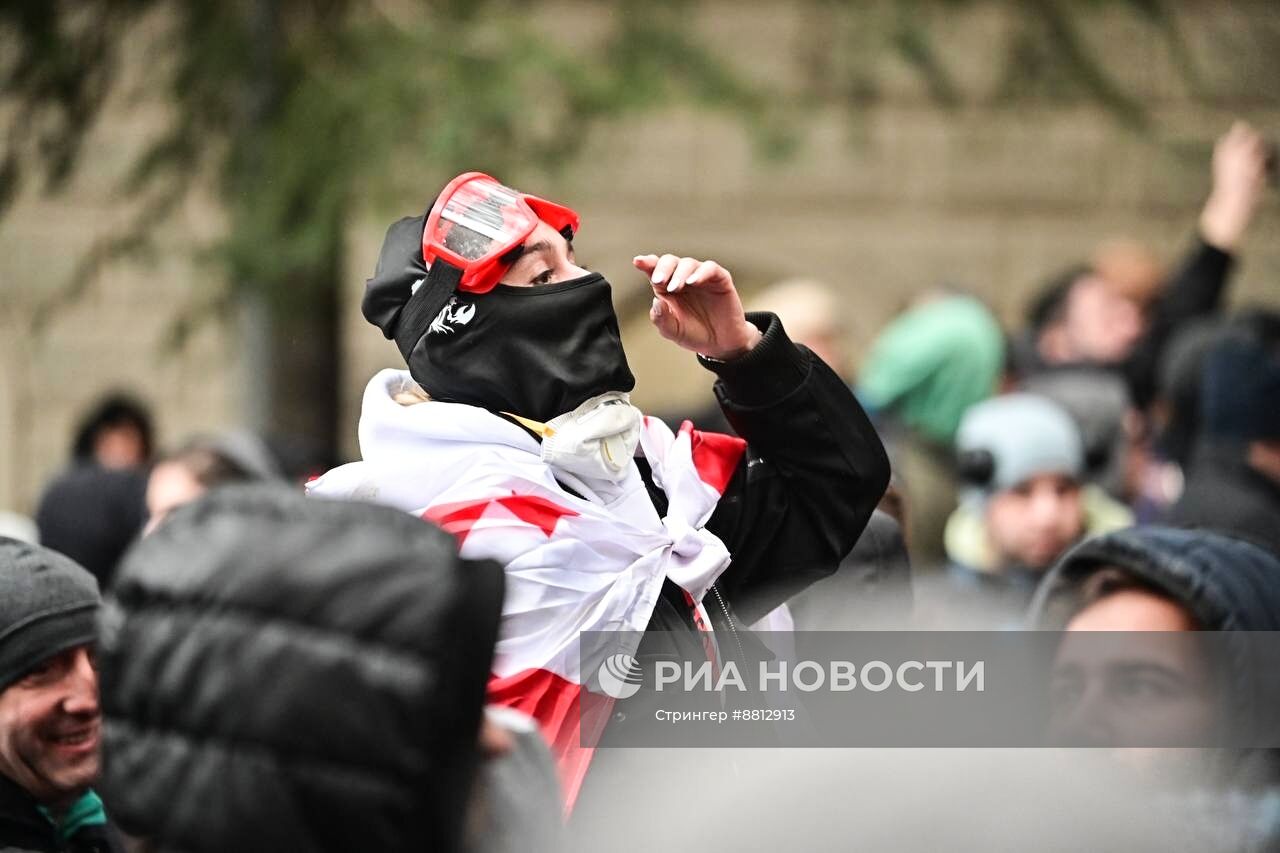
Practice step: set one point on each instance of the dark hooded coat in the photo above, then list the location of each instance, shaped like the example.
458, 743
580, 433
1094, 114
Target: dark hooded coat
1225, 584
283, 673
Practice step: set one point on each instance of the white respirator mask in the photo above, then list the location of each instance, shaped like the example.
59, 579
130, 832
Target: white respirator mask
595, 441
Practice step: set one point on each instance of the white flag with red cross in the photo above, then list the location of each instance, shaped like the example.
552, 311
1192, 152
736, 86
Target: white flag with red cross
590, 559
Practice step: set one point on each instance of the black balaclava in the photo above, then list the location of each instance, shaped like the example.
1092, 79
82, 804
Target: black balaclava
535, 351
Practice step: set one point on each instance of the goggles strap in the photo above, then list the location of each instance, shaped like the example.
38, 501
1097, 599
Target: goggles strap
421, 309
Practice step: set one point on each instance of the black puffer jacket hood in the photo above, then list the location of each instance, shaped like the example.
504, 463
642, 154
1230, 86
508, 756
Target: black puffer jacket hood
285, 673
1225, 584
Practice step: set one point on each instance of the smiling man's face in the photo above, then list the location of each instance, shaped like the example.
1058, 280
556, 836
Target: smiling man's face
50, 727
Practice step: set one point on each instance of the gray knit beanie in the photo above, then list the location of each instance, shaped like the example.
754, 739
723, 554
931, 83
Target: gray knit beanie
1020, 436
48, 603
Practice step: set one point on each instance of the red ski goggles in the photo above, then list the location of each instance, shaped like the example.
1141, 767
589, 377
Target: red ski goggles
479, 226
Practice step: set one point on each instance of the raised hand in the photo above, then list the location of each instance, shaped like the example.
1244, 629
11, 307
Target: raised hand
696, 306
1239, 177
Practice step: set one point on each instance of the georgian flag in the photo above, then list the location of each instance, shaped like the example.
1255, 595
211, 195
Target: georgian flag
573, 564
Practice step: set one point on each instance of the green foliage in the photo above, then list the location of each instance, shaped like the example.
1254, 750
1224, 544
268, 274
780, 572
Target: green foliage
1044, 56
303, 110
59, 61
1048, 55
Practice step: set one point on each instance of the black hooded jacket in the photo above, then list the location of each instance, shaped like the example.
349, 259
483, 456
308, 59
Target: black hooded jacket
1225, 584
290, 673
807, 484
92, 514
813, 471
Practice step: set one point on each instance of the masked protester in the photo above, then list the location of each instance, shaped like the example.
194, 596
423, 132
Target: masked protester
513, 429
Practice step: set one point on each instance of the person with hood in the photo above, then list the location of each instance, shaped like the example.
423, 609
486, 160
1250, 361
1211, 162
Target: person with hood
513, 430
924, 370
285, 673
1233, 475
203, 463
94, 508
117, 433
1160, 579
1024, 502
50, 720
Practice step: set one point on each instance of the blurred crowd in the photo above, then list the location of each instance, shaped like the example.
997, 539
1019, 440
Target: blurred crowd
1131, 396
196, 656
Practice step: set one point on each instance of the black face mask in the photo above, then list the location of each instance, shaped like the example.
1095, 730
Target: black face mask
535, 351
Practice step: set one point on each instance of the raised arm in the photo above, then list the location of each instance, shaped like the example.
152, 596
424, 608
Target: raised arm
814, 467
1197, 287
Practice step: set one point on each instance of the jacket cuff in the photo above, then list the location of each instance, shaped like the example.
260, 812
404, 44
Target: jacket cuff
766, 373
1211, 254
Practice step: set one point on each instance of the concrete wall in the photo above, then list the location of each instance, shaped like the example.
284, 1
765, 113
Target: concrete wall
115, 333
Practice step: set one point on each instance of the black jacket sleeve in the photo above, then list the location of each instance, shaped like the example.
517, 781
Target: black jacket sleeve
1194, 291
812, 474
